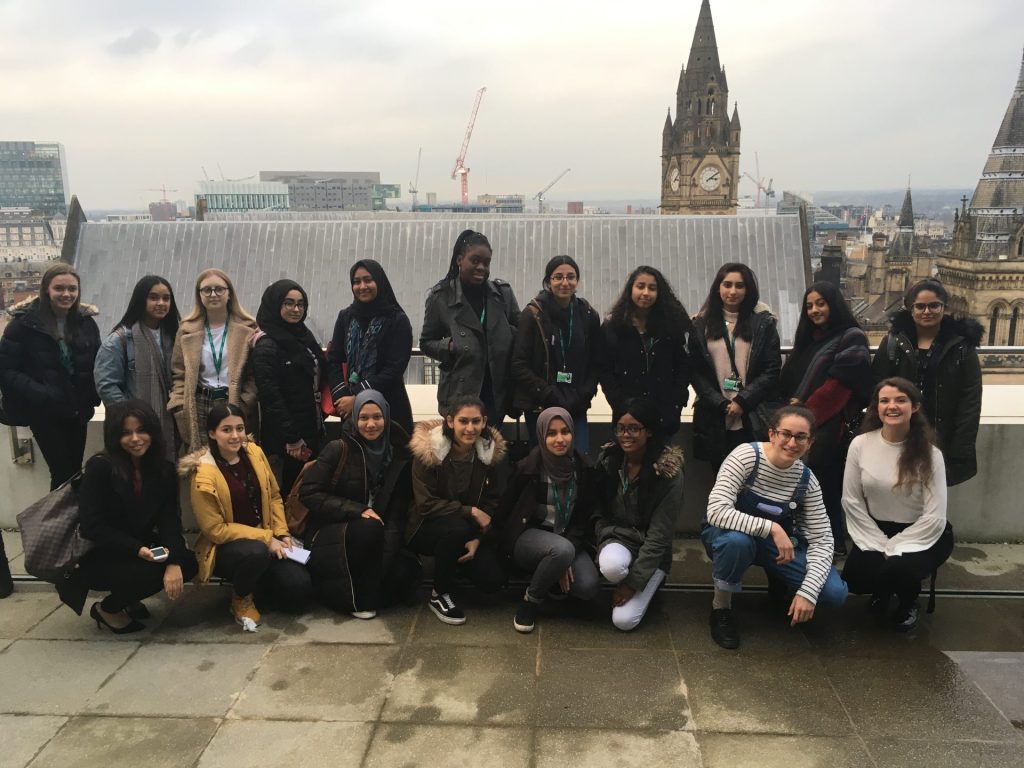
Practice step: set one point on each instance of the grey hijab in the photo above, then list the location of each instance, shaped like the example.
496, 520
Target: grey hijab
559, 469
378, 452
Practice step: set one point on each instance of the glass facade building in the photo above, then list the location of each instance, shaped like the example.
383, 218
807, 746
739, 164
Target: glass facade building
34, 175
239, 197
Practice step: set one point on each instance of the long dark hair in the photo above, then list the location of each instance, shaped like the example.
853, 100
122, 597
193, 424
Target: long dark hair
712, 309
137, 306
466, 240
915, 464
839, 315
668, 317
113, 427
214, 417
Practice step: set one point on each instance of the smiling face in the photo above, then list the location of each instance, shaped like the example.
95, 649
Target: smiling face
467, 424
733, 291
364, 287
214, 293
895, 407
229, 436
927, 309
790, 440
370, 422
558, 438
158, 304
293, 307
645, 291
475, 265
135, 440
63, 293
817, 309
563, 283
631, 435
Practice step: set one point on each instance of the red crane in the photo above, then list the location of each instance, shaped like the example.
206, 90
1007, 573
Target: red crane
460, 161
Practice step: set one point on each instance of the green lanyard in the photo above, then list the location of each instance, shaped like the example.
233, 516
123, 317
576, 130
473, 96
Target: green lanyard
731, 349
217, 355
562, 512
561, 338
483, 314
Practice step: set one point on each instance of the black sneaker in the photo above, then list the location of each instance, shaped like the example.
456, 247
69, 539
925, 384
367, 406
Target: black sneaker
905, 618
446, 610
723, 628
526, 617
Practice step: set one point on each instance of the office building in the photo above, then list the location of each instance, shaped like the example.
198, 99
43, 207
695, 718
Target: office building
34, 175
241, 196
329, 190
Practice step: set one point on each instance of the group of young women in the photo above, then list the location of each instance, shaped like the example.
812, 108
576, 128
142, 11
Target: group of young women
244, 401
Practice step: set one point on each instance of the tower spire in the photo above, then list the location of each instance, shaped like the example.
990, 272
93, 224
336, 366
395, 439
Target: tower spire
906, 220
704, 49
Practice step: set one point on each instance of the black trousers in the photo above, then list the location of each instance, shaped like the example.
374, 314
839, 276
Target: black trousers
871, 573
62, 443
252, 570
6, 582
129, 579
347, 564
444, 539
830, 478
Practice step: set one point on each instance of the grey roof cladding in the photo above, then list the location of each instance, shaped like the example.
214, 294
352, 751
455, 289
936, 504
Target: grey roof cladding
415, 250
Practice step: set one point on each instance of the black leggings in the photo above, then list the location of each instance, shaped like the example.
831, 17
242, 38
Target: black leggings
253, 570
62, 443
129, 579
444, 539
347, 564
871, 573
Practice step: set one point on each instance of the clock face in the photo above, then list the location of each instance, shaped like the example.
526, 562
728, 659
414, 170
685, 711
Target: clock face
673, 179
710, 178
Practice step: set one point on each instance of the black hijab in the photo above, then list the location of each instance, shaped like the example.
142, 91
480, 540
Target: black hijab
294, 339
385, 303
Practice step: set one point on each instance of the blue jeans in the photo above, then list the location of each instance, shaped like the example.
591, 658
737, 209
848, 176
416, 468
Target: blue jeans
732, 552
580, 434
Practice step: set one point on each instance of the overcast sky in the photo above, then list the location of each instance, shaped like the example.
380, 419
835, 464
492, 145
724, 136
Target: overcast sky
832, 94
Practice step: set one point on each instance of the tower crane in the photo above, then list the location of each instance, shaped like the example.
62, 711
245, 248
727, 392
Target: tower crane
759, 183
163, 192
539, 197
460, 161
414, 186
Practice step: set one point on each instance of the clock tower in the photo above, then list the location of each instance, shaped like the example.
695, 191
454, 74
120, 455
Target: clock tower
700, 150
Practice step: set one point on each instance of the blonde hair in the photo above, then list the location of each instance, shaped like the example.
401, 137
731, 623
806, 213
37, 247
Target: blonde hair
235, 309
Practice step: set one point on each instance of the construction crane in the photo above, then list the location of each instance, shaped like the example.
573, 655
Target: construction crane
414, 186
759, 183
539, 197
163, 193
460, 161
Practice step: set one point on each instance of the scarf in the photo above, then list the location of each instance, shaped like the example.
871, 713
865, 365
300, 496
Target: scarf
840, 354
377, 452
153, 379
366, 323
560, 470
295, 340
385, 303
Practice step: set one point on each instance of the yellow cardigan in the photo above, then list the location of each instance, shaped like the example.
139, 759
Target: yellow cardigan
211, 504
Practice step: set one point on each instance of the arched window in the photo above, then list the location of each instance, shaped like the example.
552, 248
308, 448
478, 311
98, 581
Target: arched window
1020, 246
699, 106
1011, 339
993, 323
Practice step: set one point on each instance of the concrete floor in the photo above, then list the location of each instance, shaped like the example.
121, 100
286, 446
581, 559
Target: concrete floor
405, 690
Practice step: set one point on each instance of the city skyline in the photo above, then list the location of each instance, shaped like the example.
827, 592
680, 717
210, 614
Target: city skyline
831, 98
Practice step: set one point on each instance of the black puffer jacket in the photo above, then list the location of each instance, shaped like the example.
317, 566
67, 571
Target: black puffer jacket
35, 384
661, 372
760, 390
951, 386
289, 409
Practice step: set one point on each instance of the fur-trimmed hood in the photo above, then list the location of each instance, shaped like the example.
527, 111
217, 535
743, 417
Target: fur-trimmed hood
430, 446
967, 328
669, 464
190, 462
31, 305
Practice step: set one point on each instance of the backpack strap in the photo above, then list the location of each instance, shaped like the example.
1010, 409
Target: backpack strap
342, 461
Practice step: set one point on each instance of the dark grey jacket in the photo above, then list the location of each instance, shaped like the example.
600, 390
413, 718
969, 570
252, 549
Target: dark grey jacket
449, 317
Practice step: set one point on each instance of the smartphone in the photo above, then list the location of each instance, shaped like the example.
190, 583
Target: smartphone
159, 553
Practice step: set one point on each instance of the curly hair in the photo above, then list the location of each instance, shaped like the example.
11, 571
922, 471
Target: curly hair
668, 317
915, 464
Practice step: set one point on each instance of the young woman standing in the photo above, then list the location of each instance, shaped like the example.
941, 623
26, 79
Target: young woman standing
288, 365
895, 499
47, 356
645, 347
469, 326
556, 360
134, 361
734, 349
939, 353
209, 363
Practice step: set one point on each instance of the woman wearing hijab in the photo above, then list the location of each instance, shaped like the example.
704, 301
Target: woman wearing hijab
358, 495
371, 345
288, 365
543, 519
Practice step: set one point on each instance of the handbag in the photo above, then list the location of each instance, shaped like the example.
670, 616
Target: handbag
50, 534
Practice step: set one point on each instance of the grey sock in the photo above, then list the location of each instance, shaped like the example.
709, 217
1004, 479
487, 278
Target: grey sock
721, 599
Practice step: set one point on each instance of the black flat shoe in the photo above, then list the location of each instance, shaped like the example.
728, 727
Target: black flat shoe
879, 606
132, 626
905, 618
723, 629
138, 611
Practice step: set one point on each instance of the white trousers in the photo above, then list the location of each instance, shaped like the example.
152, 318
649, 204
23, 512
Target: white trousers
614, 561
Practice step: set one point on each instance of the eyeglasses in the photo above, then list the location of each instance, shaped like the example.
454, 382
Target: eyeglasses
801, 438
213, 290
563, 278
931, 306
629, 429
289, 304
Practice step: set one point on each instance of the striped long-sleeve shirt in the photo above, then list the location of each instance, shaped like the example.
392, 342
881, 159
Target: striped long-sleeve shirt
774, 483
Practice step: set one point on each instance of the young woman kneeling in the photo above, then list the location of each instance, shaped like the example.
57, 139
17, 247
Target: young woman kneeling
543, 517
766, 509
128, 506
454, 481
238, 507
640, 495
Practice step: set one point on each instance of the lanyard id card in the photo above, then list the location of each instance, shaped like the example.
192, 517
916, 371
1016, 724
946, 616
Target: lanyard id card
563, 377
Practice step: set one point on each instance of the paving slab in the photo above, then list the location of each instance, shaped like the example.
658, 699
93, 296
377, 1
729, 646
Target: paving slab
1000, 676
202, 615
279, 744
611, 689
930, 698
448, 746
888, 753
983, 566
320, 682
572, 624
54, 677
735, 750
65, 624
23, 736
17, 565
98, 742
12, 544
743, 694
23, 610
189, 680
326, 626
616, 749
764, 629
487, 625
464, 685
